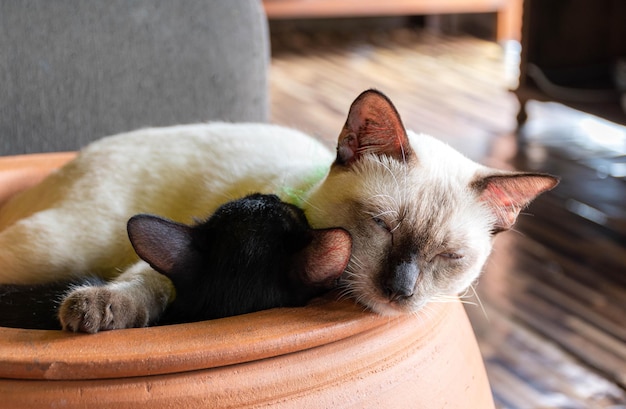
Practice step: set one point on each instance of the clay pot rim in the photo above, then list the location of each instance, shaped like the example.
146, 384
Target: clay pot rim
46, 354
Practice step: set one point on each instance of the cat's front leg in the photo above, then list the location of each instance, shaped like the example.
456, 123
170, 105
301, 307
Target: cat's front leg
136, 298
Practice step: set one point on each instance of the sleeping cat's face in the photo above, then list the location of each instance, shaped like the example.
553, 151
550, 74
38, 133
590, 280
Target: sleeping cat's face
422, 216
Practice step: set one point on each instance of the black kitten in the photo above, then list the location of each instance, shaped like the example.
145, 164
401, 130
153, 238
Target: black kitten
254, 253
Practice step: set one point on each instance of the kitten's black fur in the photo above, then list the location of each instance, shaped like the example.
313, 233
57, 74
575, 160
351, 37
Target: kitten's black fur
35, 306
254, 253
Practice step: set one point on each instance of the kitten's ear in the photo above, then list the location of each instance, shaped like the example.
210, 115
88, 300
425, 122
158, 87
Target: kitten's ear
323, 261
507, 194
373, 126
159, 242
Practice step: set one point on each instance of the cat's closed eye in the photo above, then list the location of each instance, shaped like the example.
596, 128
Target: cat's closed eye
381, 223
450, 255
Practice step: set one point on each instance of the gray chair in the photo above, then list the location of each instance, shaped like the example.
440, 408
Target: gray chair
72, 71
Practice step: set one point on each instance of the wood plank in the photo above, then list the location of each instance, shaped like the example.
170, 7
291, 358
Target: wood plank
338, 8
513, 355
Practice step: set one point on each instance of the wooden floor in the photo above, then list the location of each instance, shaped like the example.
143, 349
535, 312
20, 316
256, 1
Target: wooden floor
552, 327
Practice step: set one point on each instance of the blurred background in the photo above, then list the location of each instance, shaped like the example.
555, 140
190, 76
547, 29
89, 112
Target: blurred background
532, 85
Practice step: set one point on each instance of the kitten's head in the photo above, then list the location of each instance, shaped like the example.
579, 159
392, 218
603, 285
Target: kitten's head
422, 216
251, 254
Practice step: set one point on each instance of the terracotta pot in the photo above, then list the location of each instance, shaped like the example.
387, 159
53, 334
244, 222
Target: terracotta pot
330, 354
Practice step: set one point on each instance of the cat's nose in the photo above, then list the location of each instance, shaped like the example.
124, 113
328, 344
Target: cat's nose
400, 284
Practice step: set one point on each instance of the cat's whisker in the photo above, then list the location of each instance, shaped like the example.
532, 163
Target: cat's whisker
391, 173
445, 295
348, 274
364, 308
301, 196
465, 294
386, 209
480, 303
386, 197
425, 312
514, 230
403, 153
354, 260
446, 301
343, 294
446, 298
442, 299
346, 292
303, 199
387, 212
354, 289
465, 302
397, 226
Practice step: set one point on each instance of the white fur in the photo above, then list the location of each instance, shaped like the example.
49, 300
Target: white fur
78, 216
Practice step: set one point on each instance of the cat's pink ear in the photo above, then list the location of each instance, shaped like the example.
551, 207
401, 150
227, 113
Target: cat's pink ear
159, 242
373, 126
507, 194
323, 261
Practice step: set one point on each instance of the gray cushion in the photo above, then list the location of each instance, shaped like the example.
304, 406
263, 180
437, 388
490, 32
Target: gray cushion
72, 71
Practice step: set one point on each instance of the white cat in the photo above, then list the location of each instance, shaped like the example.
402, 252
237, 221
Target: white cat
422, 216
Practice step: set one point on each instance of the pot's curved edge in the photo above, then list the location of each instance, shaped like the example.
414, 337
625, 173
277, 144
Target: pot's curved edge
23, 171
406, 363
55, 355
